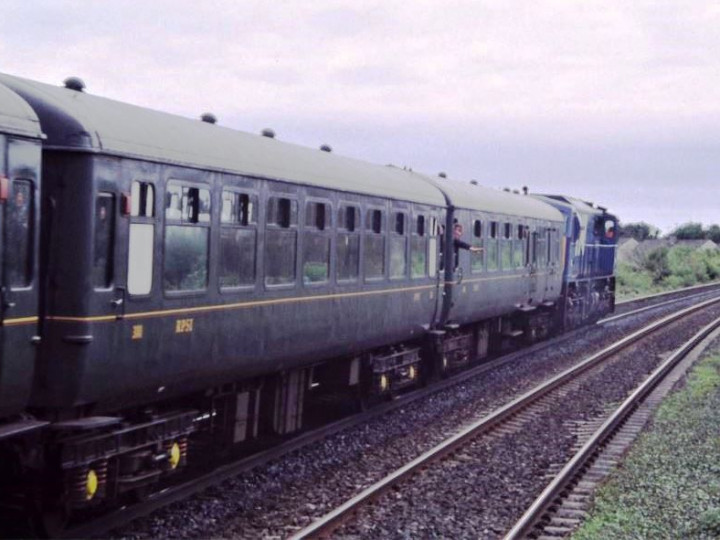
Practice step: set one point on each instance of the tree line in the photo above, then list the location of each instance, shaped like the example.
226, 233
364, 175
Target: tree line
688, 231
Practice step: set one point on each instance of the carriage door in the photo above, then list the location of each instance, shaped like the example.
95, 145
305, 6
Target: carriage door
19, 188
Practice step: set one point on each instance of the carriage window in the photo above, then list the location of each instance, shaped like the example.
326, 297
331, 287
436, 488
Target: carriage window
477, 262
374, 221
348, 218
348, 243
609, 229
316, 243
317, 215
281, 241
140, 258
238, 238
142, 199
553, 246
187, 204
282, 212
374, 245
506, 251
238, 209
418, 250
398, 247
104, 244
142, 237
432, 246
492, 247
20, 234
280, 249
187, 233
477, 228
541, 247
519, 246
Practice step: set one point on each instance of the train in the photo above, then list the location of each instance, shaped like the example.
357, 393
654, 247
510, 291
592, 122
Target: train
169, 283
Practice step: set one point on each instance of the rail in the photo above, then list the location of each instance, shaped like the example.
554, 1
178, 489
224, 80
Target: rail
551, 493
327, 524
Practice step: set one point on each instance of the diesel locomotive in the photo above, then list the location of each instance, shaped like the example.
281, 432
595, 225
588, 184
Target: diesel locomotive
169, 283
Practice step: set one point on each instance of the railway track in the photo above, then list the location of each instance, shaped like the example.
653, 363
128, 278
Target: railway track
507, 419
185, 489
563, 504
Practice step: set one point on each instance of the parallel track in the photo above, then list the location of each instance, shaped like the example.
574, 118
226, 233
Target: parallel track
186, 489
498, 420
557, 511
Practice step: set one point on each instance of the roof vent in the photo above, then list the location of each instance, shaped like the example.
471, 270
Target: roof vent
326, 148
208, 117
474, 182
442, 175
74, 83
267, 132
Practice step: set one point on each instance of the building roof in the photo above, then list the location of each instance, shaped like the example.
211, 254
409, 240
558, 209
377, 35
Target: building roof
75, 120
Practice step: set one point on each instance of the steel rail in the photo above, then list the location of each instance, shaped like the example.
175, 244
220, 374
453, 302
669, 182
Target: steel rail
325, 525
711, 285
175, 493
579, 461
637, 311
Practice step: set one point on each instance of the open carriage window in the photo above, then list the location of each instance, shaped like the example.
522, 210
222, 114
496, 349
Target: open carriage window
281, 241
348, 243
398, 246
238, 238
187, 237
374, 244
316, 243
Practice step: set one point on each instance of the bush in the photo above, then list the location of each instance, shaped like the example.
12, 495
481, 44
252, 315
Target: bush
668, 268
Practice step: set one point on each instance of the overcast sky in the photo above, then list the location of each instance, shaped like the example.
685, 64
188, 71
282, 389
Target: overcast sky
613, 101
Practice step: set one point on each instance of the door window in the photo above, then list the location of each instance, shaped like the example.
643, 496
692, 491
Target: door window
20, 234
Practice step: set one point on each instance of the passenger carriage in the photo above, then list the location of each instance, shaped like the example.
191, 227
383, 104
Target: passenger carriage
189, 282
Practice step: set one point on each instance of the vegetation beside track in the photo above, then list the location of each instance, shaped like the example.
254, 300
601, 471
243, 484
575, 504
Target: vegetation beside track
669, 485
664, 269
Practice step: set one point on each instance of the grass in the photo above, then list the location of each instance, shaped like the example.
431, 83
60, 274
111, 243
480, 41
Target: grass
665, 269
669, 485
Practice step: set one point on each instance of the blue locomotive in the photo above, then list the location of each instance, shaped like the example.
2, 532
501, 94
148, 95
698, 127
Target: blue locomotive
166, 281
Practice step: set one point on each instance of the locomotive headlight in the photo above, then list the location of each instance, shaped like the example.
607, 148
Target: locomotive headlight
412, 372
91, 484
383, 382
174, 456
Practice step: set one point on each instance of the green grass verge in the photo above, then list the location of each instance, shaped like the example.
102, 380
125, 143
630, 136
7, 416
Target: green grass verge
669, 485
665, 269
